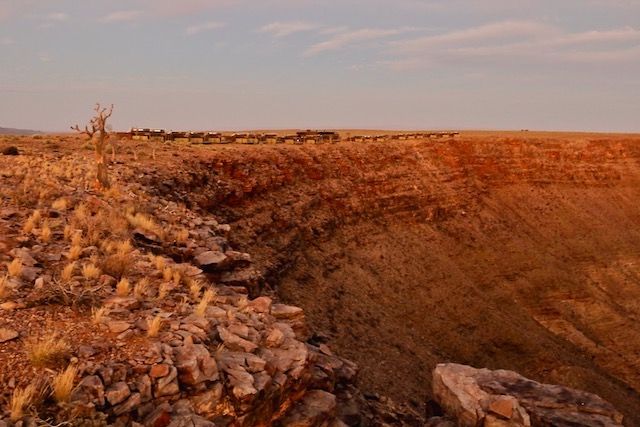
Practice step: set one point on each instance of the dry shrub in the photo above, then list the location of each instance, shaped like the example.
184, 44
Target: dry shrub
76, 239
60, 204
29, 225
154, 326
67, 272
116, 265
46, 351
99, 315
46, 233
123, 287
15, 268
21, 400
140, 289
124, 247
163, 291
75, 252
144, 221
90, 271
167, 274
201, 308
182, 235
62, 384
194, 289
3, 286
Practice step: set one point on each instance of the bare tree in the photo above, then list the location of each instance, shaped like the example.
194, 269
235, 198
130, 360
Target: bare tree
99, 130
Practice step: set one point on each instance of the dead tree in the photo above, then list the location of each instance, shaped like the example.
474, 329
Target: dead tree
98, 129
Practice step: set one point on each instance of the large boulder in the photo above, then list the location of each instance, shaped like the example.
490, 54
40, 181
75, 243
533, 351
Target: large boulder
481, 397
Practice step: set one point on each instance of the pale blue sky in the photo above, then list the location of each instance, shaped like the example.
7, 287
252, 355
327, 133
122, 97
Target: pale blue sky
396, 64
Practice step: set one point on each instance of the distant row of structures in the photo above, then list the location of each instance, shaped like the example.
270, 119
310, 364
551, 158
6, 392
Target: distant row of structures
301, 137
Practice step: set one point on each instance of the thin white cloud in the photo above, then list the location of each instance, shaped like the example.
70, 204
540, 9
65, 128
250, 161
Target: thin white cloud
6, 41
507, 31
122, 15
58, 16
45, 57
284, 29
349, 38
194, 29
522, 40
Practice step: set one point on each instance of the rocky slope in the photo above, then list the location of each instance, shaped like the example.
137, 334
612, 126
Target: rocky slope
516, 251
502, 251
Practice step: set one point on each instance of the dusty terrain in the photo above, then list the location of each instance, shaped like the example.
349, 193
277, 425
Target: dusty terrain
514, 250
502, 250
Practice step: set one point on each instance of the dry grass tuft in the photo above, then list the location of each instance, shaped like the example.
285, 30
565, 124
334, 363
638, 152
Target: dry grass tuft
46, 233
167, 274
62, 384
3, 286
123, 288
21, 400
194, 289
177, 276
60, 204
182, 235
116, 265
15, 268
76, 239
74, 252
90, 271
124, 247
158, 261
46, 351
201, 308
29, 225
67, 232
143, 221
140, 289
154, 326
36, 216
99, 315
81, 211
67, 273
163, 291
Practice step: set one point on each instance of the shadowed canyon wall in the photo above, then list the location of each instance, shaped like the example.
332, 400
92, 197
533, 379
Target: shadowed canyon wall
508, 252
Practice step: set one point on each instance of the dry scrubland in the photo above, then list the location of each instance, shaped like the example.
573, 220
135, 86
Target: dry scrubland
506, 250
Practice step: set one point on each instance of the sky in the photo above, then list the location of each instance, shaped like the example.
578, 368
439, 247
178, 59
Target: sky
566, 65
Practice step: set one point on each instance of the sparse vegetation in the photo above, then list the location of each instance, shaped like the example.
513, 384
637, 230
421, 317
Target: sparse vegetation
154, 326
90, 271
98, 315
74, 252
4, 280
207, 298
62, 384
46, 351
140, 289
123, 288
98, 128
21, 400
15, 268
67, 272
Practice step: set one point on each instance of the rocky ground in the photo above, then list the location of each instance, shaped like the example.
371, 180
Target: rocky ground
172, 297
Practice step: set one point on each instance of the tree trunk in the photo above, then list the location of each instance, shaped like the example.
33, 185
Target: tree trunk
102, 176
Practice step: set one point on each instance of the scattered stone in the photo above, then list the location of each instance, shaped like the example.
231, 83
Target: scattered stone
8, 334
234, 342
315, 408
118, 326
160, 370
117, 393
87, 351
195, 365
211, 261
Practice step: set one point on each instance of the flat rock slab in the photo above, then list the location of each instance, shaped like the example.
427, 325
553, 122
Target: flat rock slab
483, 397
7, 334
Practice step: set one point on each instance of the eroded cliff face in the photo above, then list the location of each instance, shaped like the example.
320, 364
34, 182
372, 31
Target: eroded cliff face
507, 252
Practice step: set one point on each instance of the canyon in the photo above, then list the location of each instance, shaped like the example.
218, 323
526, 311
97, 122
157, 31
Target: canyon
501, 250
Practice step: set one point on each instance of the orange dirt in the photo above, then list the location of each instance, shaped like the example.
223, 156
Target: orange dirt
506, 250
516, 251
